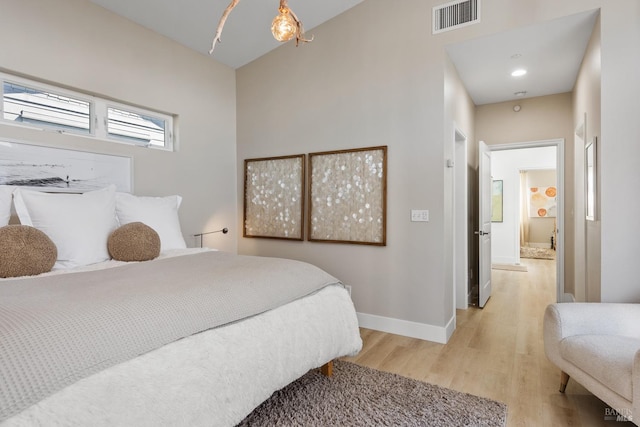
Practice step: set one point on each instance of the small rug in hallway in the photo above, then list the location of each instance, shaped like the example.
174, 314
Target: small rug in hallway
538, 253
360, 396
509, 267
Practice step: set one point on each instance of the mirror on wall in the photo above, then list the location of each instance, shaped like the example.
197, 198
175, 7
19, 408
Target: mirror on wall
590, 179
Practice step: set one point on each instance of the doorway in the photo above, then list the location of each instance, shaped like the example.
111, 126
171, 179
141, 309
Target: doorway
536, 155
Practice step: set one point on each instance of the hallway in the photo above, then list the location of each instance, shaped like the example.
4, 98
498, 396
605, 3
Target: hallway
496, 352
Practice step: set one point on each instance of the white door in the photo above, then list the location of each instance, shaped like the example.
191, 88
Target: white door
484, 233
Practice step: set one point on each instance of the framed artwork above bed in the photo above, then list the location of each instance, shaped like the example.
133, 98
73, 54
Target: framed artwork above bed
274, 197
61, 170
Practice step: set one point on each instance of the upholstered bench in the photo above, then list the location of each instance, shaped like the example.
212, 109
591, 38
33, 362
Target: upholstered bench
599, 346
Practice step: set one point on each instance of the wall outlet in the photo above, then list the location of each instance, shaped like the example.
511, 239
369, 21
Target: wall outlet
419, 215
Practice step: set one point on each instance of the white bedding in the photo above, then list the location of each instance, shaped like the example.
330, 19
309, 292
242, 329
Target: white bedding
214, 378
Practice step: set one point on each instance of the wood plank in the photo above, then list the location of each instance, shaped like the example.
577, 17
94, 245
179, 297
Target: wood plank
496, 352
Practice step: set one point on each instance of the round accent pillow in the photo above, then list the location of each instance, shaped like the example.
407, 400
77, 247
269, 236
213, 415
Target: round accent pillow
134, 242
25, 251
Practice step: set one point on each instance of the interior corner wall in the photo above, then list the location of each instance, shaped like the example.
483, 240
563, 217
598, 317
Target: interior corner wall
356, 86
79, 45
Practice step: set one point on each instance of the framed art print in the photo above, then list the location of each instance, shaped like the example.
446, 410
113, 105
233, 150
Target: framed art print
274, 197
348, 196
63, 170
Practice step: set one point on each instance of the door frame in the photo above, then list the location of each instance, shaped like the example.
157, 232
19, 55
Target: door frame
461, 205
559, 143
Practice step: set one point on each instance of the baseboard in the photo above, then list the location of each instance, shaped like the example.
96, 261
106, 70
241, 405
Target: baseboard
423, 331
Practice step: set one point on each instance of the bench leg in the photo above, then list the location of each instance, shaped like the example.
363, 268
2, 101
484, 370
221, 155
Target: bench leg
327, 369
564, 380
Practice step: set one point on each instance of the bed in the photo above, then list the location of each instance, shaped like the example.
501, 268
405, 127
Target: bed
191, 337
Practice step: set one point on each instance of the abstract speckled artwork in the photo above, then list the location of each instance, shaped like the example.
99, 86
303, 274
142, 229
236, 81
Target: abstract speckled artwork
274, 197
347, 200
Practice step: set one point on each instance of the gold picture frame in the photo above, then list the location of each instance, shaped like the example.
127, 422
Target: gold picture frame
274, 196
348, 196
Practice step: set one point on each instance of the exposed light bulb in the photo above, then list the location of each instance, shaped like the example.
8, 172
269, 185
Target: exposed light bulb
284, 27
519, 72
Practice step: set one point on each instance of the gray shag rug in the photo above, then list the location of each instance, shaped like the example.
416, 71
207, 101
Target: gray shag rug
360, 396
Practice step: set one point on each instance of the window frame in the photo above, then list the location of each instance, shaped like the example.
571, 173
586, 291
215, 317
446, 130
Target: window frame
98, 114
51, 90
167, 119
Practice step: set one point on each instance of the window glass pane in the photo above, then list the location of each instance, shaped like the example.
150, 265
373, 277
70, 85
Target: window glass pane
135, 128
38, 107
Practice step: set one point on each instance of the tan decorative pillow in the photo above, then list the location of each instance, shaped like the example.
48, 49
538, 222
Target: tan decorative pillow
25, 251
134, 242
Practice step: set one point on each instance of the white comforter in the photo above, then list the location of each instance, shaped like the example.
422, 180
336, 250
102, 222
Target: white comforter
214, 378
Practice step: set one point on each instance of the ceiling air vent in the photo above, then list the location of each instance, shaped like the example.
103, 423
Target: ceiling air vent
455, 14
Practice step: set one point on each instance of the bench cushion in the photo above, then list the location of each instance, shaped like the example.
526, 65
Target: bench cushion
607, 358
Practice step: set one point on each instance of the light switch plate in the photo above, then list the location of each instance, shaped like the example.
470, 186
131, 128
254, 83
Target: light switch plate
419, 215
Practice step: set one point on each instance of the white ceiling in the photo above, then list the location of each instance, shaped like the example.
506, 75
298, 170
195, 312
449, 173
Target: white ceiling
551, 52
247, 32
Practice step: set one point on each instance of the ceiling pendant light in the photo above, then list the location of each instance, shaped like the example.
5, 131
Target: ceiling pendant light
284, 27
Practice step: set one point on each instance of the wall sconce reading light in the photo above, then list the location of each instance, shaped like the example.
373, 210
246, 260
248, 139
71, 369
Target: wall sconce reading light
222, 230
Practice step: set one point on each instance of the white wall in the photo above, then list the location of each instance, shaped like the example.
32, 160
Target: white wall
506, 165
356, 86
77, 44
587, 114
619, 151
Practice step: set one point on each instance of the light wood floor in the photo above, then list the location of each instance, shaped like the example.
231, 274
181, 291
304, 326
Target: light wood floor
496, 352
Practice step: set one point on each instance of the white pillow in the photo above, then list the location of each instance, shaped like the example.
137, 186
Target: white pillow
78, 224
159, 213
6, 194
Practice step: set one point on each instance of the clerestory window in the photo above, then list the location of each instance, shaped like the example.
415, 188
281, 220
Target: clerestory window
43, 106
